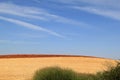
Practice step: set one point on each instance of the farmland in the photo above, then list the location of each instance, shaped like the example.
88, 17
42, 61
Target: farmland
22, 67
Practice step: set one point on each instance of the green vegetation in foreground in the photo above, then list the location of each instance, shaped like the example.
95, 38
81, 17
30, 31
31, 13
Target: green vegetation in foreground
112, 74
56, 73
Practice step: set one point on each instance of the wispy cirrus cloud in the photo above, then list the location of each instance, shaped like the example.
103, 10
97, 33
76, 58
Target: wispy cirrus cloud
30, 26
102, 3
22, 11
36, 13
113, 14
106, 8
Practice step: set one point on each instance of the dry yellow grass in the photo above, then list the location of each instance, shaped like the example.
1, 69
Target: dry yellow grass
24, 68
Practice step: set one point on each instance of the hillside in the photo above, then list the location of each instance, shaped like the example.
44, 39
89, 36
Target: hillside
22, 67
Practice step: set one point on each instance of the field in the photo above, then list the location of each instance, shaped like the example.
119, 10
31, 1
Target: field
22, 67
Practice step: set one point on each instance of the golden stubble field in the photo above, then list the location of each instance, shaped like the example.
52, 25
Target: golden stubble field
24, 68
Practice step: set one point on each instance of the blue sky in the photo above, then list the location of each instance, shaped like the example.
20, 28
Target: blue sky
77, 27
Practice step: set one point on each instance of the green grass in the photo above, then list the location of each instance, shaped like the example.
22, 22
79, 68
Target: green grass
56, 73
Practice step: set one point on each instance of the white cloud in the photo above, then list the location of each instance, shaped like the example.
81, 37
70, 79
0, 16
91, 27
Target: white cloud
103, 12
36, 13
22, 11
68, 21
107, 3
103, 3
30, 26
107, 8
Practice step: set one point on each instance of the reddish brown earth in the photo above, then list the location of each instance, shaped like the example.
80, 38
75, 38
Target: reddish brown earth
41, 56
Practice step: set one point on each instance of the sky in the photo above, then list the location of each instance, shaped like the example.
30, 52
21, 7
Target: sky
74, 27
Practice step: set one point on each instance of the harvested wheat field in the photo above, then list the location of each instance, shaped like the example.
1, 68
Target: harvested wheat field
22, 67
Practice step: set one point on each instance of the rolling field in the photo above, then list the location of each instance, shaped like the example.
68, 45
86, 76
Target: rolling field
22, 67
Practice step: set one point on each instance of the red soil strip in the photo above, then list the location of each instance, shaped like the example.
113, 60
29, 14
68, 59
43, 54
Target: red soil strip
40, 55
